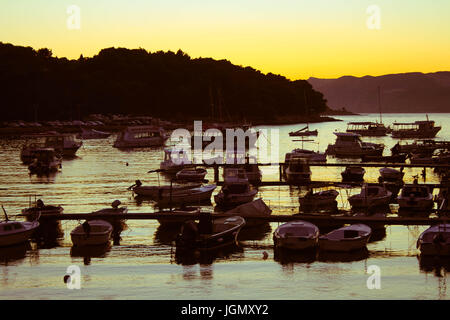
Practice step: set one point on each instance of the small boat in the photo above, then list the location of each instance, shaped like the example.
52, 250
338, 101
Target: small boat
353, 174
192, 174
415, 197
353, 237
349, 144
16, 232
303, 132
236, 189
174, 161
371, 196
296, 235
389, 174
40, 209
45, 162
311, 155
111, 213
421, 159
420, 146
64, 145
247, 210
156, 192
180, 215
319, 201
417, 129
91, 233
368, 129
435, 241
210, 234
298, 171
187, 196
141, 137
87, 134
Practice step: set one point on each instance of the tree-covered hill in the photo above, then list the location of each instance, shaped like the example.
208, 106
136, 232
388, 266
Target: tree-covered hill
169, 85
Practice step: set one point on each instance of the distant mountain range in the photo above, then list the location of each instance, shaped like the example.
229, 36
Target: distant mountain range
406, 92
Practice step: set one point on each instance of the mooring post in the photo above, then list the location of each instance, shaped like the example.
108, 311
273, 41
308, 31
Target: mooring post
279, 170
216, 173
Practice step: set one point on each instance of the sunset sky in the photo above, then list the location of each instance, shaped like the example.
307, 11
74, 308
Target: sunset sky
295, 38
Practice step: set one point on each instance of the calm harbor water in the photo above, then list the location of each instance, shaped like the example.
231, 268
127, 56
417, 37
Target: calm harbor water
145, 264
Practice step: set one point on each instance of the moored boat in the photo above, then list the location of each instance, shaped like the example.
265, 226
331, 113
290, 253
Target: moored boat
92, 232
141, 137
156, 192
45, 162
319, 201
247, 210
236, 189
210, 234
296, 235
191, 174
417, 129
369, 129
390, 174
435, 241
298, 171
415, 197
16, 232
353, 174
371, 196
349, 238
40, 209
187, 196
350, 145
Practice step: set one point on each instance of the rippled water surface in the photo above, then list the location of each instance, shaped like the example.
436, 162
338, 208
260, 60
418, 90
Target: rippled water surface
145, 264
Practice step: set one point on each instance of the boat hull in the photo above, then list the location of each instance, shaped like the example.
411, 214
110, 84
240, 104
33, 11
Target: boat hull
16, 238
341, 245
295, 243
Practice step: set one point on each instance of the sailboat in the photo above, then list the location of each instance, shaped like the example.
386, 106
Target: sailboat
303, 132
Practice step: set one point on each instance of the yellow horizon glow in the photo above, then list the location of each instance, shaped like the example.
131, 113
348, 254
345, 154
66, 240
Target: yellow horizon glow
297, 39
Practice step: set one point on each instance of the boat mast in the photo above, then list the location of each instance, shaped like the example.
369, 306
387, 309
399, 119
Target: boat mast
379, 104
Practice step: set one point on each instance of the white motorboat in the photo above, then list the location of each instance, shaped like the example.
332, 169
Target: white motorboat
298, 171
91, 233
236, 189
435, 241
87, 134
390, 174
45, 162
156, 192
318, 201
350, 145
353, 174
349, 238
16, 232
371, 196
296, 235
417, 129
141, 137
174, 161
247, 210
64, 144
192, 174
415, 197
187, 196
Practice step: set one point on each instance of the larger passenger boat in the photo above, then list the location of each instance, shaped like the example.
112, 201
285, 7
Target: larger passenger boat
368, 129
417, 129
64, 144
141, 137
350, 144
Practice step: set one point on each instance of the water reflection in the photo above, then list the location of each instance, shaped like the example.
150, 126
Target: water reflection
88, 252
329, 256
14, 254
439, 265
285, 256
191, 257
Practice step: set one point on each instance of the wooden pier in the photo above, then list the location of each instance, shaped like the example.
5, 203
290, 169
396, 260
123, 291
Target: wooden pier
324, 219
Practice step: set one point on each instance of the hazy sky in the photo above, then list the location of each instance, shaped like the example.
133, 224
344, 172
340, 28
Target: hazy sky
295, 38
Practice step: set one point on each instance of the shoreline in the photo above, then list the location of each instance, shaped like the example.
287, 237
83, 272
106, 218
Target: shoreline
29, 130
